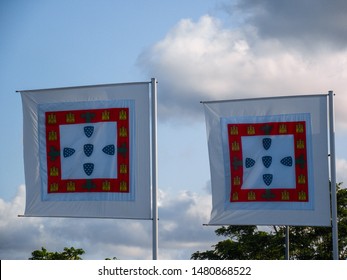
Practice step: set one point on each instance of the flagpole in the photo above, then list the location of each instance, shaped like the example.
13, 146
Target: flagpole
333, 177
154, 170
287, 243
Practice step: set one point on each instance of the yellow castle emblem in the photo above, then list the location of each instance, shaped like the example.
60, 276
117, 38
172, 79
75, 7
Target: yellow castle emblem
70, 118
123, 169
282, 128
54, 171
251, 195
105, 115
302, 195
122, 115
52, 119
250, 130
123, 132
123, 187
237, 181
52, 136
299, 128
301, 179
54, 187
300, 144
234, 130
70, 186
285, 195
106, 186
235, 146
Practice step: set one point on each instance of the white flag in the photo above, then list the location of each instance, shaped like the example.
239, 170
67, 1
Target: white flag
87, 151
269, 161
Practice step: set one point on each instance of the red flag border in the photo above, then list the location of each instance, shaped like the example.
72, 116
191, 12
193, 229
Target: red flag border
53, 119
298, 194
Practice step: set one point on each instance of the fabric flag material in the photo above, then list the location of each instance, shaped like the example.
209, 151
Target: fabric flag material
87, 151
269, 161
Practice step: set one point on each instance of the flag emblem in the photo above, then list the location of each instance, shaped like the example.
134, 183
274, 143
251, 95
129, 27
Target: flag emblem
88, 168
109, 150
266, 160
267, 143
68, 152
88, 130
89, 150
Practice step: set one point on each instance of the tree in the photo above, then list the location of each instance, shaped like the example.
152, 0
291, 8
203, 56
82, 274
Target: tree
252, 243
67, 254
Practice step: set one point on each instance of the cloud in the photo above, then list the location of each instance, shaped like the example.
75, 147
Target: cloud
310, 24
204, 60
18, 237
181, 231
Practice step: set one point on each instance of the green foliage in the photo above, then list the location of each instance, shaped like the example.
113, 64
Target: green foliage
67, 254
306, 243
244, 243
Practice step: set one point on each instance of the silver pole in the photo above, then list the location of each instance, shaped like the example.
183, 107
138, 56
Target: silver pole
154, 170
333, 177
287, 243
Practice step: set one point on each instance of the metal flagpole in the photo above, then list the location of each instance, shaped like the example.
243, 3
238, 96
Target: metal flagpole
154, 170
333, 177
287, 243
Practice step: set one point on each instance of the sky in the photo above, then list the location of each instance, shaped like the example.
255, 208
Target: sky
197, 50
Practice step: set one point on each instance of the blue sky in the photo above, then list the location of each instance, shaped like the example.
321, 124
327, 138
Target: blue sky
198, 50
69, 43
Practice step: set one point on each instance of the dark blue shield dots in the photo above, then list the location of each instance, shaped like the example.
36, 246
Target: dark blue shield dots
88, 149
267, 178
267, 143
88, 130
109, 150
88, 168
249, 162
68, 152
267, 160
287, 161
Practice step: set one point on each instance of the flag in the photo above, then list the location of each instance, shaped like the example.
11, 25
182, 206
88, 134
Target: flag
87, 151
269, 161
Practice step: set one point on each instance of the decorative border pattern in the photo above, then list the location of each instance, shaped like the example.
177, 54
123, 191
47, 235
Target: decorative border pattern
299, 192
121, 150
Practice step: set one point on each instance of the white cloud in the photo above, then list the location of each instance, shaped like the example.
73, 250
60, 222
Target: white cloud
205, 61
308, 24
181, 231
